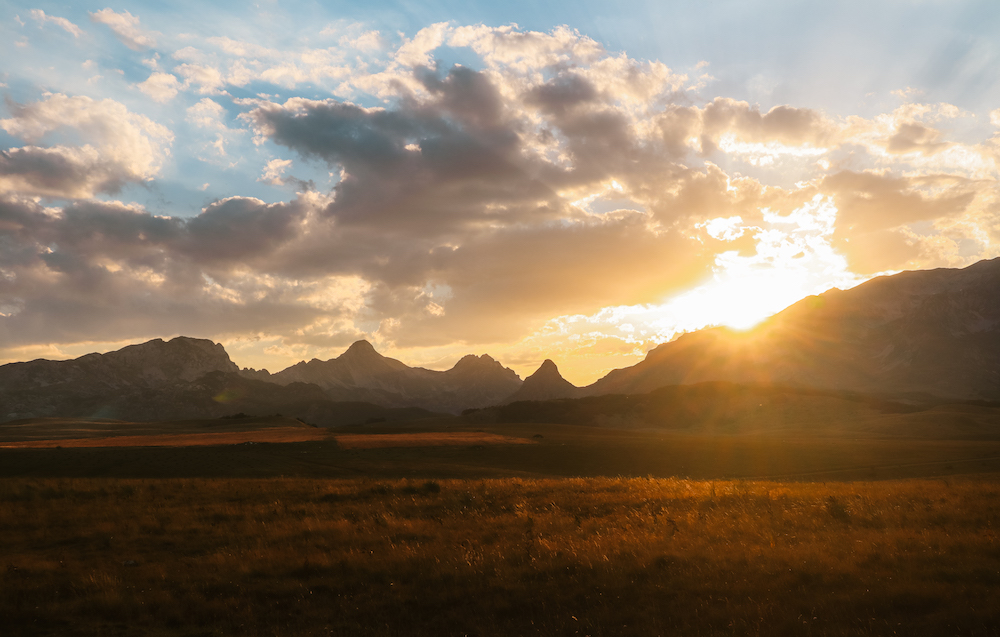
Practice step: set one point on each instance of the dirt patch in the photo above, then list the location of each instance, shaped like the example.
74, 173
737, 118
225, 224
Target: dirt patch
281, 434
431, 439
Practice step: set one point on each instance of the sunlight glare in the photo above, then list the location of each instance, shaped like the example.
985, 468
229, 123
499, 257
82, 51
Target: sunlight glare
740, 299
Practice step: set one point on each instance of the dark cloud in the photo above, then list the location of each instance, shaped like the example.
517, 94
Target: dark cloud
242, 230
59, 172
426, 168
103, 270
561, 94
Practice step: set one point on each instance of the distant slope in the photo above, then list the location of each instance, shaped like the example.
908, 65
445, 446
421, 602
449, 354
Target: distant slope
545, 384
933, 332
723, 408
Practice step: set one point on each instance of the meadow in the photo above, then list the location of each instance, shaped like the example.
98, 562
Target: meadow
499, 556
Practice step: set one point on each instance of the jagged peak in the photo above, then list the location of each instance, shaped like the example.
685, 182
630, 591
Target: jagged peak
472, 359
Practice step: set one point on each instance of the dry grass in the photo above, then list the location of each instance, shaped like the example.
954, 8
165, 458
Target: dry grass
598, 556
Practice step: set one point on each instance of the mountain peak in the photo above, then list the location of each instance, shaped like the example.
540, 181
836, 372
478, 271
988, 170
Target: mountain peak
547, 369
361, 347
545, 384
471, 361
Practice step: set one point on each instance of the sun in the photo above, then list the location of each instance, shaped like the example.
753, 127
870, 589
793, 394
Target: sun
739, 300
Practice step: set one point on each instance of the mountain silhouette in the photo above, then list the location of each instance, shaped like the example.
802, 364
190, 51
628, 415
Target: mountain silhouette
931, 332
545, 384
916, 335
361, 373
178, 379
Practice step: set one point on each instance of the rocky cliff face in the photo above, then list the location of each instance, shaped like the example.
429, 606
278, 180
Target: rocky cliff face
545, 384
934, 332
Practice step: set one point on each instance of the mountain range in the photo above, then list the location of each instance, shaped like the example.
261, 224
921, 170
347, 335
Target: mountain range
930, 333
918, 335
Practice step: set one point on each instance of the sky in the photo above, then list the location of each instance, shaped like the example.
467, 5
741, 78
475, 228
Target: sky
579, 181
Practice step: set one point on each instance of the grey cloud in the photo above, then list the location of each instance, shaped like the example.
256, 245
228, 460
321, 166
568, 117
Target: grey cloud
431, 168
240, 229
467, 94
59, 172
561, 93
104, 271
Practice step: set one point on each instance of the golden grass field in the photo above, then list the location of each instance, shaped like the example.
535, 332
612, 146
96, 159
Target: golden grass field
596, 556
451, 528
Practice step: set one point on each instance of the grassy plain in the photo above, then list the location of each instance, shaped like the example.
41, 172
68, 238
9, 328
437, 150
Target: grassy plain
510, 556
572, 531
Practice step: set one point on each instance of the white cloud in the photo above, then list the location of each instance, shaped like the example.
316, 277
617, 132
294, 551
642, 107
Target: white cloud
211, 116
126, 27
274, 170
63, 23
118, 146
161, 87
207, 114
416, 51
208, 79
367, 41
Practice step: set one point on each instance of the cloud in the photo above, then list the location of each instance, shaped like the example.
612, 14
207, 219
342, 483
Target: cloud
62, 23
208, 79
59, 172
207, 114
162, 87
471, 204
126, 28
210, 116
119, 147
91, 258
416, 50
273, 172
367, 41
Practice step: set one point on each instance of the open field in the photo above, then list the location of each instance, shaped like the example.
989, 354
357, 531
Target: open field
72, 429
480, 451
426, 439
277, 435
499, 557
445, 527
49, 437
